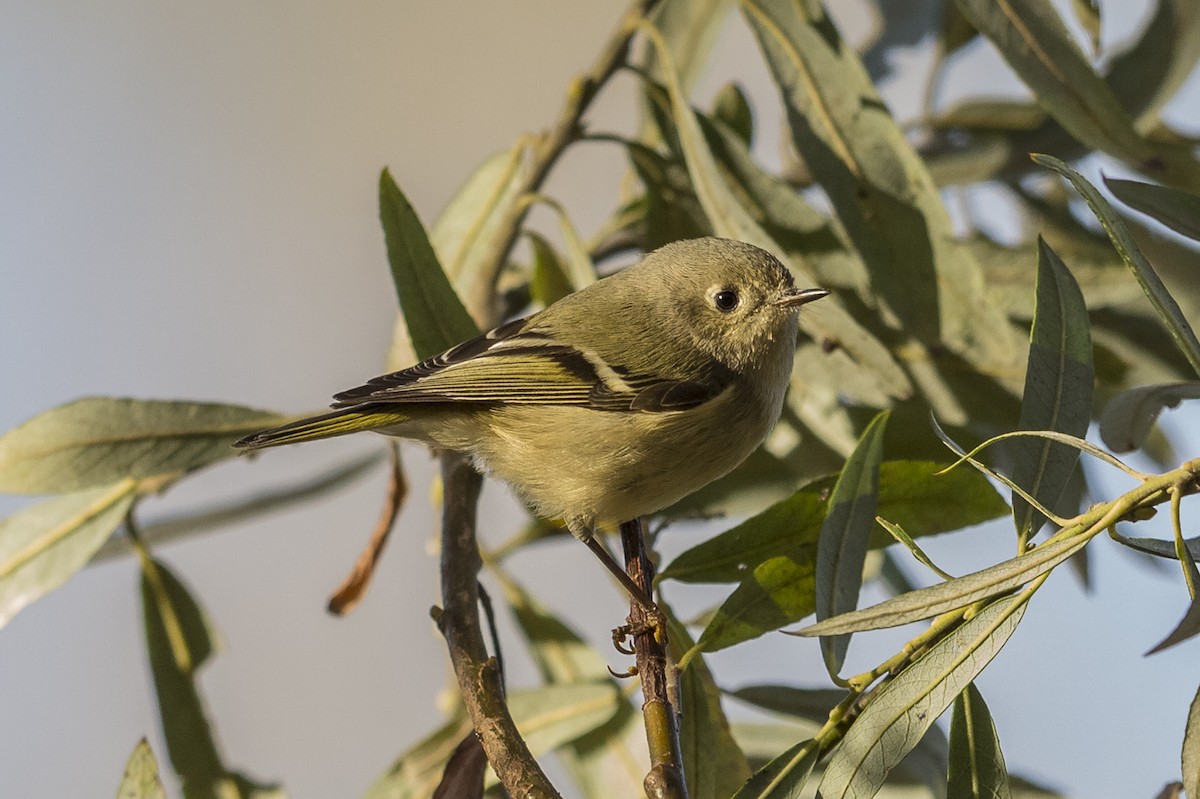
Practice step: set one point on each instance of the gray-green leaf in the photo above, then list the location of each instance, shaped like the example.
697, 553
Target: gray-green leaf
896, 719
1058, 390
141, 775
97, 441
977, 769
1191, 750
433, 313
785, 776
960, 592
44, 545
1175, 208
1166, 306
842, 546
1128, 417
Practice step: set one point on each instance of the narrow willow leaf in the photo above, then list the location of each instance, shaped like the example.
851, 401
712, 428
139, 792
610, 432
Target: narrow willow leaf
553, 715
1036, 44
1058, 390
549, 282
785, 776
977, 769
464, 773
813, 704
1191, 750
97, 441
842, 545
1175, 208
1128, 417
44, 545
1087, 12
689, 28
1148, 75
777, 592
416, 773
731, 107
579, 269
713, 764
910, 494
896, 719
1162, 549
189, 523
602, 762
141, 775
731, 220
1188, 627
463, 234
901, 535
1168, 310
925, 603
433, 314
881, 190
178, 642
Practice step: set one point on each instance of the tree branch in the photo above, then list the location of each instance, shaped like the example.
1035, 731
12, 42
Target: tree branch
659, 713
478, 674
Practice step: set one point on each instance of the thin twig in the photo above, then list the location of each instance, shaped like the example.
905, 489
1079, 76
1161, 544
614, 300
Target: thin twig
665, 778
549, 146
478, 674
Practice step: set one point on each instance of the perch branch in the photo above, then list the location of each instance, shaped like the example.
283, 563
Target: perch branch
478, 674
665, 779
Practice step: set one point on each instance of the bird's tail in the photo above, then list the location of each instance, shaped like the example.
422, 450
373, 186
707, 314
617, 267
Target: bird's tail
327, 425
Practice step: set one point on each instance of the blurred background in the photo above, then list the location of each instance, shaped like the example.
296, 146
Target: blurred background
189, 211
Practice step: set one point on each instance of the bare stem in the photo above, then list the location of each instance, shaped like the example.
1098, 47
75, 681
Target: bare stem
659, 714
478, 674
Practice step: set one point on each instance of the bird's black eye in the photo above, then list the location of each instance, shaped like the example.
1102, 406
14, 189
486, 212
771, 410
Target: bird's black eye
726, 300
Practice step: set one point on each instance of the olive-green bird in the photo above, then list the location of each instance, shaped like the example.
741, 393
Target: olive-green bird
615, 401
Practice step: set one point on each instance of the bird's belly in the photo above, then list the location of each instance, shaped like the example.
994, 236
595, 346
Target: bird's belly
602, 467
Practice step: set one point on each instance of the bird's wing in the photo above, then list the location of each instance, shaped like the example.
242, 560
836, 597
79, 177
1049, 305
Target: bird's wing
515, 365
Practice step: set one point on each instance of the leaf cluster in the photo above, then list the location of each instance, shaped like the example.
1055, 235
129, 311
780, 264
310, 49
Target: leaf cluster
1013, 348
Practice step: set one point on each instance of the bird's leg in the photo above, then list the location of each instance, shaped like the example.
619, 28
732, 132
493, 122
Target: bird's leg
635, 591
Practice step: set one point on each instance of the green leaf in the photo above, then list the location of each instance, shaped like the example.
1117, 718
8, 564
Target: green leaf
141, 775
189, 523
1148, 75
898, 716
1191, 749
731, 220
1188, 627
578, 268
910, 494
1168, 310
1087, 12
97, 441
1128, 417
977, 769
549, 282
713, 764
952, 594
777, 592
602, 762
842, 545
1036, 44
553, 715
433, 314
418, 771
881, 190
44, 545
463, 235
785, 776
1162, 549
733, 110
1175, 208
813, 704
178, 641
1058, 390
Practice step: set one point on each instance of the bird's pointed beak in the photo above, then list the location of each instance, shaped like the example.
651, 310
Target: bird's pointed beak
794, 297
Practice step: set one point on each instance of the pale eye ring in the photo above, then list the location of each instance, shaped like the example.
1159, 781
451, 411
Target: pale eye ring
726, 300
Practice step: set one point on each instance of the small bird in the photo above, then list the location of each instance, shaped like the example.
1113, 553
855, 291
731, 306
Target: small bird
612, 403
